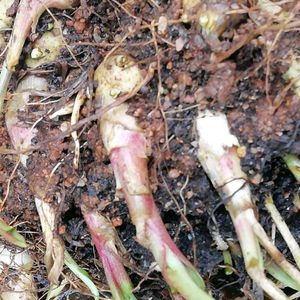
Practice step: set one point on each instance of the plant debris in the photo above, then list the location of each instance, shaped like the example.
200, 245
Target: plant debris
238, 58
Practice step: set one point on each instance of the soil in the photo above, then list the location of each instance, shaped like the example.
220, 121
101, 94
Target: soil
190, 79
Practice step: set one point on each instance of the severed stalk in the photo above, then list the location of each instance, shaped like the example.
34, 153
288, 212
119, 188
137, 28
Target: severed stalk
101, 230
104, 238
28, 14
219, 158
125, 143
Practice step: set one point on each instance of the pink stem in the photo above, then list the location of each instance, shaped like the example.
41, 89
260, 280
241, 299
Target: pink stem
130, 167
103, 236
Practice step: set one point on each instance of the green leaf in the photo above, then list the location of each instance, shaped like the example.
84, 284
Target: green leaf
81, 274
228, 262
293, 163
11, 235
56, 290
281, 276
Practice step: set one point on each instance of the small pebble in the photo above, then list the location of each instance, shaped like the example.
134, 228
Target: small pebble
79, 26
117, 221
173, 173
241, 151
70, 23
118, 38
138, 112
189, 195
253, 150
162, 25
190, 99
256, 179
64, 126
168, 204
36, 53
169, 65
194, 144
82, 181
179, 44
62, 229
185, 79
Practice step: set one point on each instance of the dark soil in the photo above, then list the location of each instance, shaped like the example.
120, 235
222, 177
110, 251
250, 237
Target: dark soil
190, 80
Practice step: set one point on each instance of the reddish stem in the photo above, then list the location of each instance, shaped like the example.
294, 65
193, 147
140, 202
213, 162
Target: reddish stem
104, 236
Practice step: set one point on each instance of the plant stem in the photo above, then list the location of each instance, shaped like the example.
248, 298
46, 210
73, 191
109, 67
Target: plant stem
104, 238
126, 145
219, 158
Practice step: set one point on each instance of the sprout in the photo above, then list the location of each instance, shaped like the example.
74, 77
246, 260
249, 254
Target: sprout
293, 163
212, 16
47, 48
281, 276
125, 143
228, 262
283, 229
81, 274
218, 155
26, 19
104, 238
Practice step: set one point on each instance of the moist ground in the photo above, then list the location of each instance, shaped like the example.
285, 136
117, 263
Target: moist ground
189, 81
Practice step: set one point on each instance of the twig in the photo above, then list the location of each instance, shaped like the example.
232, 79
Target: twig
184, 219
8, 183
123, 8
283, 229
160, 88
79, 100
